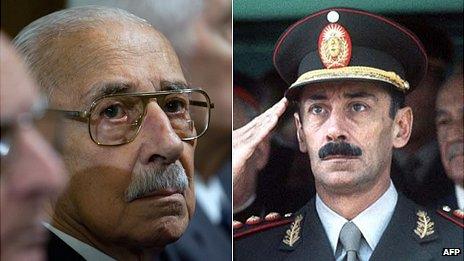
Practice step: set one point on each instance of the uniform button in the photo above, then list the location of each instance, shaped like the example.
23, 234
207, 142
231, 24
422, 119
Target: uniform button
446, 208
253, 220
272, 216
458, 213
237, 224
288, 215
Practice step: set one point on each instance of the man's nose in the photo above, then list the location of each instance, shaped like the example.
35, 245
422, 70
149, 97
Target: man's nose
162, 142
39, 170
336, 126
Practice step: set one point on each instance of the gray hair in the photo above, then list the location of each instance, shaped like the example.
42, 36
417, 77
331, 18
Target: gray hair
35, 40
173, 18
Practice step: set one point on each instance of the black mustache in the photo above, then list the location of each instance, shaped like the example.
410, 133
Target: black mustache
339, 148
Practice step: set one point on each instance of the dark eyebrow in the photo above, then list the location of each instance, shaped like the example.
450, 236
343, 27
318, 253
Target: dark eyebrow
107, 88
173, 86
360, 94
443, 113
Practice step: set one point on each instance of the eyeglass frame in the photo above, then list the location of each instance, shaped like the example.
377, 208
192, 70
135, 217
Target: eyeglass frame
24, 119
84, 116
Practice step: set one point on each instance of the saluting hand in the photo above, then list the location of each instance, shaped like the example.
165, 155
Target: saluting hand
245, 143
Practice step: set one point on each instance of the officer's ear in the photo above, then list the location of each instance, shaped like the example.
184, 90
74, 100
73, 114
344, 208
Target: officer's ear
402, 127
300, 133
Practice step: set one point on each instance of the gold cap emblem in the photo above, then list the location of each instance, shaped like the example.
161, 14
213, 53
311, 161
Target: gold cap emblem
334, 46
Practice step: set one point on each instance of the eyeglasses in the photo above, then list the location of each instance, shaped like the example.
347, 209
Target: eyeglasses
116, 119
39, 118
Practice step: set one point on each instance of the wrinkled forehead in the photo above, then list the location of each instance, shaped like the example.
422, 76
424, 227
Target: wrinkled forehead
451, 93
344, 90
139, 57
106, 35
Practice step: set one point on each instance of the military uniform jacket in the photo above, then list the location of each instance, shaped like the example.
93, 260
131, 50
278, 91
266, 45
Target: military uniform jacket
304, 237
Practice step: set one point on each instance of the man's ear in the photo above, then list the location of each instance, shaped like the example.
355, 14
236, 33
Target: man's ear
300, 133
402, 127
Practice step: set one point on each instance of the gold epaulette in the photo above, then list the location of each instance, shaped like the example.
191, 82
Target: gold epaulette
255, 224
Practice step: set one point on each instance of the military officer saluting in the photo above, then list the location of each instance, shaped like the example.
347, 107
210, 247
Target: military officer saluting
348, 72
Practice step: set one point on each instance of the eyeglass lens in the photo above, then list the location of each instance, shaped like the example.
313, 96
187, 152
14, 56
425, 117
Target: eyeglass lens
116, 120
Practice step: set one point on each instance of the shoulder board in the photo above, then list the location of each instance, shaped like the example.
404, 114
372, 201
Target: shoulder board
455, 216
256, 224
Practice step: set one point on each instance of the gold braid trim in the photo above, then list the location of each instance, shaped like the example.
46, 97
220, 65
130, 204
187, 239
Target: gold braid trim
355, 72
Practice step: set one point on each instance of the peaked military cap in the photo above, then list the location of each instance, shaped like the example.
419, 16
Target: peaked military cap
349, 44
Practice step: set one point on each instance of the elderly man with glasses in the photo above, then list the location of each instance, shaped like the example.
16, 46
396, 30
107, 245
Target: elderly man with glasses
130, 134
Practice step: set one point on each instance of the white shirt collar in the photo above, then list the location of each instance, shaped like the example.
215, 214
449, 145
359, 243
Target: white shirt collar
459, 196
210, 197
86, 251
372, 221
331, 221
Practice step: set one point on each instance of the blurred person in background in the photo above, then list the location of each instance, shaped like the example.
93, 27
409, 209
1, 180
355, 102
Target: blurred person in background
449, 108
418, 170
200, 32
131, 129
31, 171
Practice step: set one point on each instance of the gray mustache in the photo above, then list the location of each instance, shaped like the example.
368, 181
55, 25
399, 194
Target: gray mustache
154, 179
455, 149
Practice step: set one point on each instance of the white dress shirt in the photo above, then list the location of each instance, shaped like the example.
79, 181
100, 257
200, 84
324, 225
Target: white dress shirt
86, 251
210, 197
371, 222
459, 196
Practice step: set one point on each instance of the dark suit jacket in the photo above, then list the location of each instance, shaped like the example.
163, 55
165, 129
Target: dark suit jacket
398, 241
203, 240
59, 250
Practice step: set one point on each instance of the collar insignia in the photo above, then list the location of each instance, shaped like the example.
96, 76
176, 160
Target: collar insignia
334, 46
292, 235
425, 227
